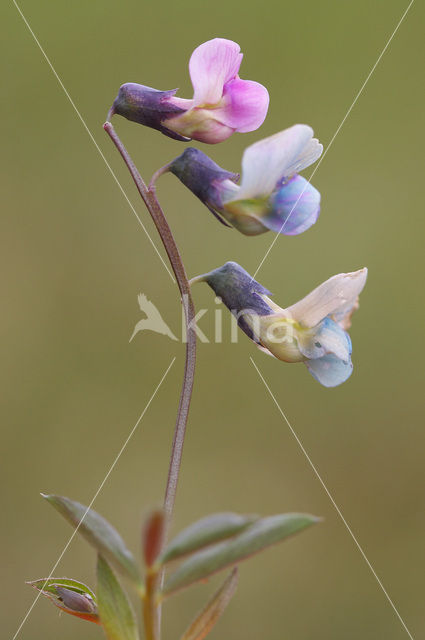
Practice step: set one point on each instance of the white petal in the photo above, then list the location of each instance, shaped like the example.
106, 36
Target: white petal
337, 294
268, 161
228, 190
311, 153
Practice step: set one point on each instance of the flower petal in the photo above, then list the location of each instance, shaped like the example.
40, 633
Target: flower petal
336, 294
294, 208
330, 370
278, 334
246, 224
266, 162
327, 338
211, 65
200, 124
245, 105
245, 215
343, 315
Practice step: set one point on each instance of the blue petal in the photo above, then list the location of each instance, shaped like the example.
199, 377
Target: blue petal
327, 337
330, 370
294, 207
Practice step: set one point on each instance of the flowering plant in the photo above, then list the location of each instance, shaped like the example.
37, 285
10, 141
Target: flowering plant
222, 102
271, 196
313, 330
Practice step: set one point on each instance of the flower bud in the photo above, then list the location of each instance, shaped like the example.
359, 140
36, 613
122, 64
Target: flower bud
70, 596
76, 602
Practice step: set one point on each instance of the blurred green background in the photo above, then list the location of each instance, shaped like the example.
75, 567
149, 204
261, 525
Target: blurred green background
73, 259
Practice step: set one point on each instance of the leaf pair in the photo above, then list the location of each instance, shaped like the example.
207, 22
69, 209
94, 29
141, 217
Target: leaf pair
208, 530
206, 547
209, 553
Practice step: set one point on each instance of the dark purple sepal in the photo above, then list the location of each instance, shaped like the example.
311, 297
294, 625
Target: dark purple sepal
239, 292
147, 106
202, 176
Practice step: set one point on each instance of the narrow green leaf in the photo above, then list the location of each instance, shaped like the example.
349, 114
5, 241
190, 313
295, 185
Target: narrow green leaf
214, 609
99, 533
204, 532
115, 612
70, 596
258, 536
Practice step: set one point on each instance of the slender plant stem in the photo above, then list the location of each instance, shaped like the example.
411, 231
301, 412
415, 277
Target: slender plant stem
160, 221
150, 608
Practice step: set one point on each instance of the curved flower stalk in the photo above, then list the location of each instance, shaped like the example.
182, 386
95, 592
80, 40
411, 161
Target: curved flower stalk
271, 196
221, 105
313, 330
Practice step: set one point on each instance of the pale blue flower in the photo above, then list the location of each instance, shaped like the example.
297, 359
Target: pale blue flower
271, 195
312, 331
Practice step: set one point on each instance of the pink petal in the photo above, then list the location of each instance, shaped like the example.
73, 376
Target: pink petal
211, 65
200, 124
245, 105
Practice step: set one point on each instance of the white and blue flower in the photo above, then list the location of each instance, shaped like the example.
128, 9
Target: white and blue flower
312, 331
271, 195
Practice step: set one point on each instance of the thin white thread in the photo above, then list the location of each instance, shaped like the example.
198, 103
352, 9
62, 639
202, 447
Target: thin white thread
347, 526
92, 139
111, 468
334, 136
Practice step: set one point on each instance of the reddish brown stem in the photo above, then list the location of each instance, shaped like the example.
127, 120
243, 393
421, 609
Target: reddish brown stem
160, 221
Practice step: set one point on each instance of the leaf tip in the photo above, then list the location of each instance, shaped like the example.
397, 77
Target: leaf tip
316, 519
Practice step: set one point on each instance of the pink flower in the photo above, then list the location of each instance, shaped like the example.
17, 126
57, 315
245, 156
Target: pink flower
222, 103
